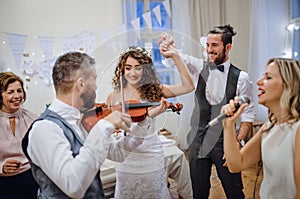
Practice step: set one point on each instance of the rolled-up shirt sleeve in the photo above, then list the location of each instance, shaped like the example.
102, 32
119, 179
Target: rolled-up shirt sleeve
245, 88
194, 65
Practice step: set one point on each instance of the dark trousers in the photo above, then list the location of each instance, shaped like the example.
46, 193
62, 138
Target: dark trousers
200, 171
21, 186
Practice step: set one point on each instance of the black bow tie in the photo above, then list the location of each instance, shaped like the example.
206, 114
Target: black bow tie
220, 68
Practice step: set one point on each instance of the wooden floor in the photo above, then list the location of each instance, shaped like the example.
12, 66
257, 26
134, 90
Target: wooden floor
250, 181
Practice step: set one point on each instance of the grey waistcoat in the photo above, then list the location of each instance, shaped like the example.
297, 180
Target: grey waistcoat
200, 140
47, 188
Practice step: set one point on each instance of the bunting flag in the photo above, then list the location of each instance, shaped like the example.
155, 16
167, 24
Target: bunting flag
27, 67
45, 70
148, 20
157, 13
84, 42
136, 26
166, 4
17, 43
47, 44
69, 44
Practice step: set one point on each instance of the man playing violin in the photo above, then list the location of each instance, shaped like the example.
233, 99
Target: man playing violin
64, 157
142, 173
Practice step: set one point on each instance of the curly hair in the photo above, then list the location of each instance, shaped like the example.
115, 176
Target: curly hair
7, 78
149, 87
289, 70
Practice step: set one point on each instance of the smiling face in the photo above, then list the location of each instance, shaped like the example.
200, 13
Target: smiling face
12, 97
270, 86
133, 72
215, 49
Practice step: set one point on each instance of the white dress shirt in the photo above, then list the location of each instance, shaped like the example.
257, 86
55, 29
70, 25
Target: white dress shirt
216, 83
50, 150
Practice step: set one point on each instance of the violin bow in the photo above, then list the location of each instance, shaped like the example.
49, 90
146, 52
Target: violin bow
122, 98
122, 94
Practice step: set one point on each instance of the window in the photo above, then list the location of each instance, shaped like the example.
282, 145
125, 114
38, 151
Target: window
149, 37
295, 28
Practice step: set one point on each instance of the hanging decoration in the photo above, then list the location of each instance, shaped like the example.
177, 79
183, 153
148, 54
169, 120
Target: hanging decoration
167, 7
83, 42
136, 26
147, 19
17, 43
46, 44
157, 14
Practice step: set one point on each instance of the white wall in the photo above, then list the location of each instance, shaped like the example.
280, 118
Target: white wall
55, 18
58, 17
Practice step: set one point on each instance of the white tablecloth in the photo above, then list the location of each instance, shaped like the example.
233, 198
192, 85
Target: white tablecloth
176, 167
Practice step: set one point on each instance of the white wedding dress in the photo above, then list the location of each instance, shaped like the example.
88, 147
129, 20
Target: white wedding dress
142, 174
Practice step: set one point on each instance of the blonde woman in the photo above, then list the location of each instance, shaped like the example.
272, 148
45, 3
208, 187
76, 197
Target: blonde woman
277, 143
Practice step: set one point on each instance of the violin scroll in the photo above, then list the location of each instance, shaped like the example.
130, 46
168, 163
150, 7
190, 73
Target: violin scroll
175, 108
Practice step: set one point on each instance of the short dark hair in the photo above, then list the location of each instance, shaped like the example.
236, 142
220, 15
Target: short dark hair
7, 78
226, 31
65, 69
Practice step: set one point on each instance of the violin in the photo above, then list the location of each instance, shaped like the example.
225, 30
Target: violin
137, 111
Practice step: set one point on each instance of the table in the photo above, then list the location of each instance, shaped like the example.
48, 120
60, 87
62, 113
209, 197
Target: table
175, 164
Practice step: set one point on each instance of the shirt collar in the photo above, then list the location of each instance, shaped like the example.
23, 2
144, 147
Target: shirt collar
64, 109
8, 115
226, 65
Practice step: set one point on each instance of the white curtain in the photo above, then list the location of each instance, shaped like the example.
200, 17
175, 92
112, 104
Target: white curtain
268, 34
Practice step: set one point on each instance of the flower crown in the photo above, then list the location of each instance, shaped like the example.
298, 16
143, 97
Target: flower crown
138, 49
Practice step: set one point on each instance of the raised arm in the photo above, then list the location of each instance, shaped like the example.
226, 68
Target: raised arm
236, 159
186, 84
194, 64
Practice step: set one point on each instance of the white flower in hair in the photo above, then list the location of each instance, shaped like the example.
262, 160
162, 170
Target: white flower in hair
138, 49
